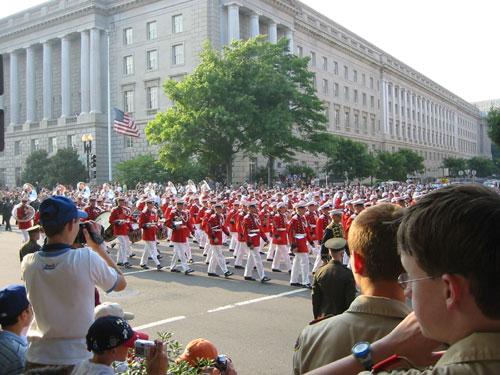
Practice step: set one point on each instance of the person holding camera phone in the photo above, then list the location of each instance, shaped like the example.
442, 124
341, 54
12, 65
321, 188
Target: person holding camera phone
60, 282
109, 339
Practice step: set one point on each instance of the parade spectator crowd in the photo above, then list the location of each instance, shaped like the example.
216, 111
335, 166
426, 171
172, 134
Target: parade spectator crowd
405, 277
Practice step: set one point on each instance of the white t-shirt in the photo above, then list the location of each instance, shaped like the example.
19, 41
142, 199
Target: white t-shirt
60, 285
90, 368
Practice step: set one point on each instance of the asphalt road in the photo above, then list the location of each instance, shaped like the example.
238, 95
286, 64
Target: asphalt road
255, 324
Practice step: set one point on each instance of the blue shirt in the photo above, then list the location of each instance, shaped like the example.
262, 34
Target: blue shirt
12, 353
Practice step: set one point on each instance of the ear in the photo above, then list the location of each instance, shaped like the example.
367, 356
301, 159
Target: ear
358, 263
455, 288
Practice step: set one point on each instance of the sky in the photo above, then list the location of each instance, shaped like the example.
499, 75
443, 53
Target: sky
454, 43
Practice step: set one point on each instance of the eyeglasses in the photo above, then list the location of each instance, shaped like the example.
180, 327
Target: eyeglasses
404, 280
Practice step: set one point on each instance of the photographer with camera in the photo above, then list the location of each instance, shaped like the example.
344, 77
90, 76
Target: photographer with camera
60, 282
200, 349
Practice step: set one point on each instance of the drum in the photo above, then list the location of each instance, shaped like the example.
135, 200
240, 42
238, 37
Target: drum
103, 220
135, 234
162, 233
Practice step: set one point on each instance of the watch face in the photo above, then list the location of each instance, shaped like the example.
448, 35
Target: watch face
361, 349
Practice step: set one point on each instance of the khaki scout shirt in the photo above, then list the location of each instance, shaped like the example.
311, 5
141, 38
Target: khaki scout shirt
367, 319
477, 354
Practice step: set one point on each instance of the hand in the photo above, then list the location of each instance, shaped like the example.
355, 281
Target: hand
157, 360
229, 371
95, 228
216, 240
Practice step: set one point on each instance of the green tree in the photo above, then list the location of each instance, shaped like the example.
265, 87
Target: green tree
347, 156
454, 165
251, 98
390, 166
413, 161
139, 169
493, 120
300, 170
35, 169
65, 168
483, 167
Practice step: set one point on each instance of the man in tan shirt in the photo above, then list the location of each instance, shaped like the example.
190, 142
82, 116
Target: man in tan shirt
380, 307
450, 248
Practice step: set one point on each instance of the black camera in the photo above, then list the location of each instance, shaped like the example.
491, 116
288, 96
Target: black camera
80, 237
221, 362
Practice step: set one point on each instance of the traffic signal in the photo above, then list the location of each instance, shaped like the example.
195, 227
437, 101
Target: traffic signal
94, 174
93, 161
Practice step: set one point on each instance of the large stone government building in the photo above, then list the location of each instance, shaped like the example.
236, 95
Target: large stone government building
56, 74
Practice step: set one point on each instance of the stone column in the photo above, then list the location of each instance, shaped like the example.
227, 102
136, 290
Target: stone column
47, 81
84, 71
30, 84
272, 32
65, 77
254, 25
233, 14
289, 36
14, 88
95, 70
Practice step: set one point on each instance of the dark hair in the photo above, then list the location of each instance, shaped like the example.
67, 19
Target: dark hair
373, 236
457, 230
9, 321
52, 230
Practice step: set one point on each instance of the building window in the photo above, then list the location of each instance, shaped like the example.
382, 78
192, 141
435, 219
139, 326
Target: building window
17, 175
52, 147
355, 96
327, 110
2, 177
152, 59
336, 89
346, 72
17, 148
356, 123
373, 126
365, 125
335, 68
128, 101
128, 36
35, 144
364, 98
177, 26
313, 58
128, 141
152, 31
363, 79
325, 63
346, 120
371, 83
337, 119
315, 86
300, 51
372, 101
71, 141
178, 54
128, 65
325, 86
355, 75
152, 97
346, 93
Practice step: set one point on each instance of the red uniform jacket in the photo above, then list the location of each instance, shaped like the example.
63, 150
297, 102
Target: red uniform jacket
215, 228
321, 224
280, 229
265, 220
22, 212
148, 231
118, 213
180, 224
231, 220
193, 213
252, 230
298, 233
311, 218
239, 222
92, 212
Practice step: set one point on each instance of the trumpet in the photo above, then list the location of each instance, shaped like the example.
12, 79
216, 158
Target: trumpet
171, 188
30, 192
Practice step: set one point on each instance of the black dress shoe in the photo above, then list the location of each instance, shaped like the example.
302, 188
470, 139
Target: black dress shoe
132, 255
265, 279
213, 274
159, 256
201, 247
174, 270
249, 278
127, 265
231, 250
239, 267
119, 264
227, 274
159, 267
295, 284
307, 286
276, 270
188, 271
144, 267
269, 259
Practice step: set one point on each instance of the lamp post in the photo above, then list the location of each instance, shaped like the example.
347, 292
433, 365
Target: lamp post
87, 148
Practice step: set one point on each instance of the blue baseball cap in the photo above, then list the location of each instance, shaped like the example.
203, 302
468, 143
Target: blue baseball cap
13, 301
59, 210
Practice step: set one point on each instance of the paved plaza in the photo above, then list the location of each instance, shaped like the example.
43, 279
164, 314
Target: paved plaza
255, 324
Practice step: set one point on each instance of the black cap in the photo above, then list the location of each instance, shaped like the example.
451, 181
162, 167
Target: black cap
109, 332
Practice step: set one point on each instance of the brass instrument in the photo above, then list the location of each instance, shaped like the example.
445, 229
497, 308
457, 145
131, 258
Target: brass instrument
30, 191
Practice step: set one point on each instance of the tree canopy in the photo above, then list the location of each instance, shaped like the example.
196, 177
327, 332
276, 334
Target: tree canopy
397, 165
251, 98
493, 120
347, 158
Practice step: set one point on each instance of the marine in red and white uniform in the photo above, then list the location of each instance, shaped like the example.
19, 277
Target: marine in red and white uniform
180, 223
24, 214
265, 218
241, 249
92, 210
215, 229
121, 219
280, 239
322, 222
148, 222
299, 237
231, 225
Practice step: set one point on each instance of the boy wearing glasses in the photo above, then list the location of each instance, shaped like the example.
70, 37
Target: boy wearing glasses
450, 248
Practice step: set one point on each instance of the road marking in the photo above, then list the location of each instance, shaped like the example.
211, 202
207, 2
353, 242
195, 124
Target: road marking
266, 298
160, 322
221, 308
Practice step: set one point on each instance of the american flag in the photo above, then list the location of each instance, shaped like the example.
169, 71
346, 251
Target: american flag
124, 124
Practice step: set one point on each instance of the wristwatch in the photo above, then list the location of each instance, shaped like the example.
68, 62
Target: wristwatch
362, 351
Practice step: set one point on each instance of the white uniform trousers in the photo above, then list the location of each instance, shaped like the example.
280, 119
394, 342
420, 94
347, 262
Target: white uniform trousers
217, 258
197, 233
124, 248
203, 239
318, 262
300, 269
281, 256
26, 236
240, 252
254, 259
271, 252
179, 253
234, 240
150, 251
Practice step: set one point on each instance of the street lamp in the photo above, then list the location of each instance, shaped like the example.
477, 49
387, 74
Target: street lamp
87, 148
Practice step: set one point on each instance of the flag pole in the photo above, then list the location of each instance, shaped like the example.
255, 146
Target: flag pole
110, 171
